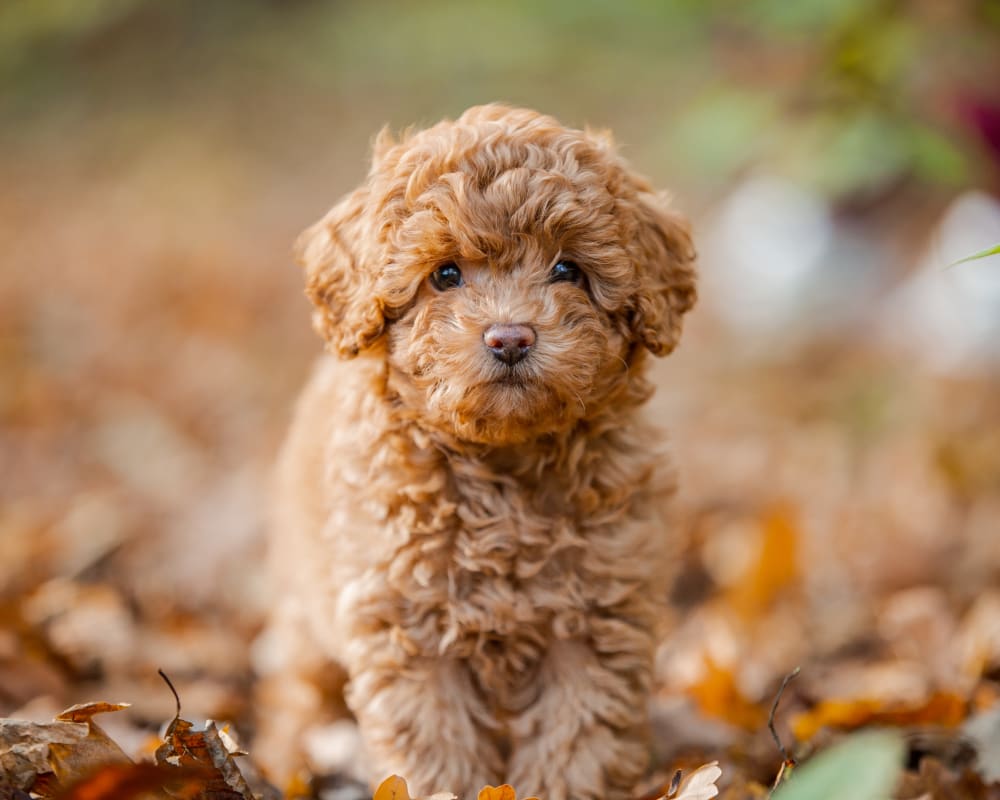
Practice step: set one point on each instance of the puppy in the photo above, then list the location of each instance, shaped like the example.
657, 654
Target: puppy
467, 518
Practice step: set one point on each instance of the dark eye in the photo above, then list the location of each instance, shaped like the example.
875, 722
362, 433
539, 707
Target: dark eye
446, 277
566, 271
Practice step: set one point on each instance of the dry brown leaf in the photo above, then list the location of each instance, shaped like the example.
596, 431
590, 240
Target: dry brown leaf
24, 748
942, 708
66, 749
70, 762
934, 781
184, 747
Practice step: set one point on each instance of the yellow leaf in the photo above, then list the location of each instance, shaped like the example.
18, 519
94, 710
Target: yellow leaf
392, 788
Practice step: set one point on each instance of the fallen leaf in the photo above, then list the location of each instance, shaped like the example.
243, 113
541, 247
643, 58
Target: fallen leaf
24, 748
933, 780
395, 788
72, 761
718, 695
392, 788
775, 568
65, 749
700, 784
138, 782
185, 746
503, 792
942, 708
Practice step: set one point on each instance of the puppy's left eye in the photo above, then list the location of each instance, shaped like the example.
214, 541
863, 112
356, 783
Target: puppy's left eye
566, 271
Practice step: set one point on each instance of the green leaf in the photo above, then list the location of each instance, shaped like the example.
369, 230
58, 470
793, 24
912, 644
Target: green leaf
864, 767
989, 251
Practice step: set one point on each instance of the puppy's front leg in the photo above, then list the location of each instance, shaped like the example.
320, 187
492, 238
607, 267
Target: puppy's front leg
585, 736
424, 720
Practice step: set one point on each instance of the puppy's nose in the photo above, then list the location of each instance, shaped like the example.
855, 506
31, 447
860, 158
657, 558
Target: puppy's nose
509, 343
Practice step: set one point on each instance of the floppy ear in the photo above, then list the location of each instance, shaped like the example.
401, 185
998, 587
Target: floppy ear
340, 255
664, 257
343, 255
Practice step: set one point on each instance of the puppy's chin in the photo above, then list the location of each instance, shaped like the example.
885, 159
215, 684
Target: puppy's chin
498, 409
511, 409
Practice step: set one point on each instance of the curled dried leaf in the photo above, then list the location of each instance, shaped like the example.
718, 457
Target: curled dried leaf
700, 784
60, 752
71, 762
185, 746
84, 711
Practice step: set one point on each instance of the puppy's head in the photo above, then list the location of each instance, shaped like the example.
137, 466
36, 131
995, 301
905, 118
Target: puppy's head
513, 270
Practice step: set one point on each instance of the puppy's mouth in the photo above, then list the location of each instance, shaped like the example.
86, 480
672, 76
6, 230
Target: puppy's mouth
514, 379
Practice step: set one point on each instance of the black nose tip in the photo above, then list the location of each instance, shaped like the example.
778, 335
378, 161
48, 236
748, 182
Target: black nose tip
509, 343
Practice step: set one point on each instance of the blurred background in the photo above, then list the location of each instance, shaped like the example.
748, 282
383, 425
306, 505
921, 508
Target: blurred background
834, 406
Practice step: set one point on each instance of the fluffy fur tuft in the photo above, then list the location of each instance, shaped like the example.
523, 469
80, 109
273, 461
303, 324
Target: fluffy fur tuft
476, 543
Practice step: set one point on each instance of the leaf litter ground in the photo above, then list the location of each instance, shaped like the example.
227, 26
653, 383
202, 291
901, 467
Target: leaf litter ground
838, 511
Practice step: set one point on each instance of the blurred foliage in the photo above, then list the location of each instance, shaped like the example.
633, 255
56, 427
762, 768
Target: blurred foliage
989, 251
865, 767
848, 95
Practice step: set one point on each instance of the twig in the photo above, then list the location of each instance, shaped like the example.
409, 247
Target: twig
177, 697
774, 709
787, 762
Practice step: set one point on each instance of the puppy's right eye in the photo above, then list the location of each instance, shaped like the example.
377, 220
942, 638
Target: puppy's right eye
445, 277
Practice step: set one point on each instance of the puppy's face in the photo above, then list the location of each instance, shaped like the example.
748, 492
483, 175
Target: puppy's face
505, 348
512, 269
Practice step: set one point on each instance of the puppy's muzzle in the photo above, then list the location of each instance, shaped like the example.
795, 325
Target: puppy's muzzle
509, 343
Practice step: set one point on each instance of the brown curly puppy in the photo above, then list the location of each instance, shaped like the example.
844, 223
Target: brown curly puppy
467, 517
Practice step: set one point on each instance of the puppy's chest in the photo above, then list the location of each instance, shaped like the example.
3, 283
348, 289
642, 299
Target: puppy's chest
501, 576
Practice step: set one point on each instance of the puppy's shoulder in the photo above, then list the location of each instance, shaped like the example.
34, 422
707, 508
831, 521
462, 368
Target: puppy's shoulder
333, 410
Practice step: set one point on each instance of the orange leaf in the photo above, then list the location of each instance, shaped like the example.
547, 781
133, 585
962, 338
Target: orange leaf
717, 695
505, 792
942, 708
775, 568
392, 788
118, 781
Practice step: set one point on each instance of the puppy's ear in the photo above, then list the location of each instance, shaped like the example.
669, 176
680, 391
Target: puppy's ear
340, 256
665, 258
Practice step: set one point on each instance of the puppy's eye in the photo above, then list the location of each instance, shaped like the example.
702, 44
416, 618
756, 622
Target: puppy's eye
445, 277
566, 271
